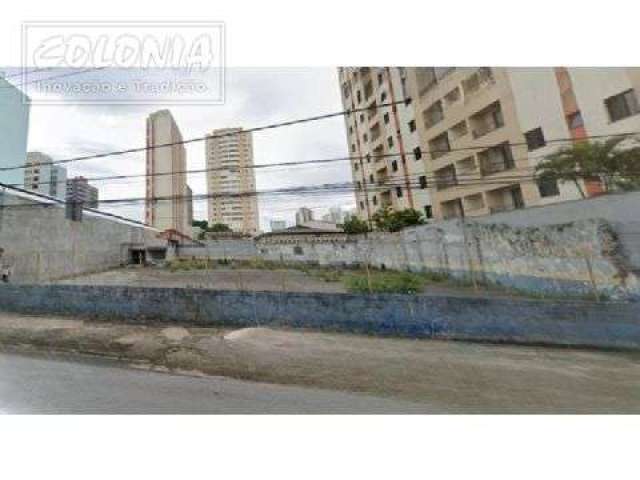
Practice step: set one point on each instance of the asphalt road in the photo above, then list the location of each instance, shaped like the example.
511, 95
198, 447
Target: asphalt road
65, 385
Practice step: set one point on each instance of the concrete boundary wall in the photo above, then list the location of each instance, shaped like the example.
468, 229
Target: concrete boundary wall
576, 258
40, 244
570, 323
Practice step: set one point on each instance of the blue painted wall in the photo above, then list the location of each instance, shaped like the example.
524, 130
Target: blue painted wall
575, 323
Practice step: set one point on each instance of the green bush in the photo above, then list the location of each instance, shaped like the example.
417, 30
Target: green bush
353, 225
387, 220
384, 282
186, 264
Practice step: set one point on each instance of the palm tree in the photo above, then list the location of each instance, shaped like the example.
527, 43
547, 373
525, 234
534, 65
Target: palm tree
618, 167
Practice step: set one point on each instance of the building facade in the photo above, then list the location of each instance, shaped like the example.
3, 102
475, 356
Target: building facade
483, 130
168, 203
231, 183
41, 176
304, 215
14, 129
277, 225
387, 164
78, 190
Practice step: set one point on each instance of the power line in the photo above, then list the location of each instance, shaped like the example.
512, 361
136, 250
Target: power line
261, 166
206, 137
315, 189
63, 202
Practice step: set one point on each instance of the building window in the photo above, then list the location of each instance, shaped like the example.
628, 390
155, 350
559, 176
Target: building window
356, 167
345, 90
622, 105
368, 157
433, 115
496, 159
385, 117
394, 165
383, 97
361, 205
390, 142
375, 200
412, 126
359, 96
417, 153
359, 185
439, 146
423, 181
535, 139
548, 187
362, 118
428, 212
371, 180
350, 130
380, 79
399, 192
297, 250
365, 137
353, 148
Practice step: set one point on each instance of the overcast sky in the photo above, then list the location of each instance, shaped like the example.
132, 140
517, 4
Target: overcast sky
254, 97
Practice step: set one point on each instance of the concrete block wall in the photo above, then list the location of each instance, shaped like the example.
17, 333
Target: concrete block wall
575, 247
40, 244
575, 258
239, 249
517, 320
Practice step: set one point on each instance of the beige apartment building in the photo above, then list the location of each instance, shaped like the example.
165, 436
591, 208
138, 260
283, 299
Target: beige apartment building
168, 197
231, 182
483, 130
387, 161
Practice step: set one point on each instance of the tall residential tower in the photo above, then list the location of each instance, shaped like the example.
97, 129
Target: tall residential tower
231, 181
387, 165
168, 197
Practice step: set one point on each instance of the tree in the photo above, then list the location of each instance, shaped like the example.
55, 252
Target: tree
203, 224
219, 227
354, 225
387, 220
601, 159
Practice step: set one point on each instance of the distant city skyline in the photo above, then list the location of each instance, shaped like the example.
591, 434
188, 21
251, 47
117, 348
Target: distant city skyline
255, 97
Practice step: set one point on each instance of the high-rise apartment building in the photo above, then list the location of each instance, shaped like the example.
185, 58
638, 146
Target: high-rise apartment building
168, 198
41, 176
231, 182
14, 128
483, 130
387, 164
78, 190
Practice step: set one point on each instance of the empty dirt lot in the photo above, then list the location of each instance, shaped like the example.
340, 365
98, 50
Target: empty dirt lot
246, 279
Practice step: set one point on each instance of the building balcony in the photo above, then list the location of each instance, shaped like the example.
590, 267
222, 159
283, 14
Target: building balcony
477, 82
445, 178
491, 168
505, 199
485, 130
